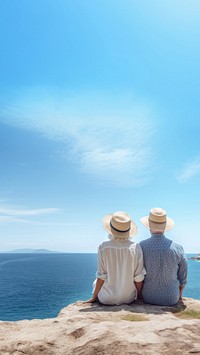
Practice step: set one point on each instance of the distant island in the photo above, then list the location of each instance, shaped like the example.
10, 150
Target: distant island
197, 257
39, 251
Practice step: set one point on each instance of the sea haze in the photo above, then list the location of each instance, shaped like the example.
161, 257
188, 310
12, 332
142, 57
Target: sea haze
40, 285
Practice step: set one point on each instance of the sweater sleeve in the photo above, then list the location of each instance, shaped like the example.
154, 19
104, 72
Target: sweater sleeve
182, 269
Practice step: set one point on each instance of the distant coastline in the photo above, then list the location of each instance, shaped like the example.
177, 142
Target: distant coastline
197, 257
31, 251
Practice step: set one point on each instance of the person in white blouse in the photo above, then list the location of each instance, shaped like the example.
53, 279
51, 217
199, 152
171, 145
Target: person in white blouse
120, 263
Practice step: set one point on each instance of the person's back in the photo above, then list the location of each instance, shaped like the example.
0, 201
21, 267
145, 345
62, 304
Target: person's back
120, 271
166, 269
164, 261
121, 263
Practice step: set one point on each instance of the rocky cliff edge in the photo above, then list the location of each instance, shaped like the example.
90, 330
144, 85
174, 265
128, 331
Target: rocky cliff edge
87, 329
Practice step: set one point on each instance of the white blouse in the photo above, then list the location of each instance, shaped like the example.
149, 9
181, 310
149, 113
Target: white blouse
120, 263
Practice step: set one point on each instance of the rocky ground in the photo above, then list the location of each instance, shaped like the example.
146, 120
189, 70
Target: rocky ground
87, 329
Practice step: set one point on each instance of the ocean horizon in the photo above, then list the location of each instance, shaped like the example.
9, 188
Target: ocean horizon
37, 285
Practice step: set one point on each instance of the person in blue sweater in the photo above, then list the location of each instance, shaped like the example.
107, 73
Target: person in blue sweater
164, 261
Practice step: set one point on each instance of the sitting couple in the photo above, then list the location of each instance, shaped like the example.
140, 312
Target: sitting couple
154, 270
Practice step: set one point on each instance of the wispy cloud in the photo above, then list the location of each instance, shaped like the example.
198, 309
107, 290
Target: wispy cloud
108, 139
19, 215
14, 215
9, 219
190, 170
35, 212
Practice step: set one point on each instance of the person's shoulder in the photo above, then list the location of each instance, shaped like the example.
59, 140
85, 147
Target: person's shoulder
105, 244
135, 246
177, 247
132, 244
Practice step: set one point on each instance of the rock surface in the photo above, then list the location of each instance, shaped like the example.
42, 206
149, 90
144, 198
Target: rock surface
87, 329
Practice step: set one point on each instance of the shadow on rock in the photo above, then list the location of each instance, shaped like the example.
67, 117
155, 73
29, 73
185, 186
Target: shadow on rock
134, 307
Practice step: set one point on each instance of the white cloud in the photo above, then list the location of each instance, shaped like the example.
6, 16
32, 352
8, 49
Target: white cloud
35, 212
9, 219
190, 170
107, 138
15, 215
9, 215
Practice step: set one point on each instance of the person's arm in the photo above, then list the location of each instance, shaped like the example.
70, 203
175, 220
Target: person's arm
98, 286
182, 273
138, 286
181, 288
139, 271
101, 276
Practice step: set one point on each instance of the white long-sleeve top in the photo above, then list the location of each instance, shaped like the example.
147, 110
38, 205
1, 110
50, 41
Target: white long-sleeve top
120, 263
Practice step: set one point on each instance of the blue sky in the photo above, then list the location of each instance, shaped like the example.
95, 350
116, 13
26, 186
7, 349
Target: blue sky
99, 112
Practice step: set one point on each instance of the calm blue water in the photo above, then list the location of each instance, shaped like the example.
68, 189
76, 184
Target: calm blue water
40, 285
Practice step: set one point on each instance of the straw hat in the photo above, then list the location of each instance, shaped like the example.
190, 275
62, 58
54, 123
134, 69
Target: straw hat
157, 221
120, 225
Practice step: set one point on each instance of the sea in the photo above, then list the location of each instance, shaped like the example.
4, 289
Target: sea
40, 285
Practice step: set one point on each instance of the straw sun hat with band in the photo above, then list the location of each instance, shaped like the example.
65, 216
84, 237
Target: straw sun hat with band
119, 224
157, 221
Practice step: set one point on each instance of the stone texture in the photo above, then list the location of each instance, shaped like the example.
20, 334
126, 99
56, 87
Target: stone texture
87, 329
